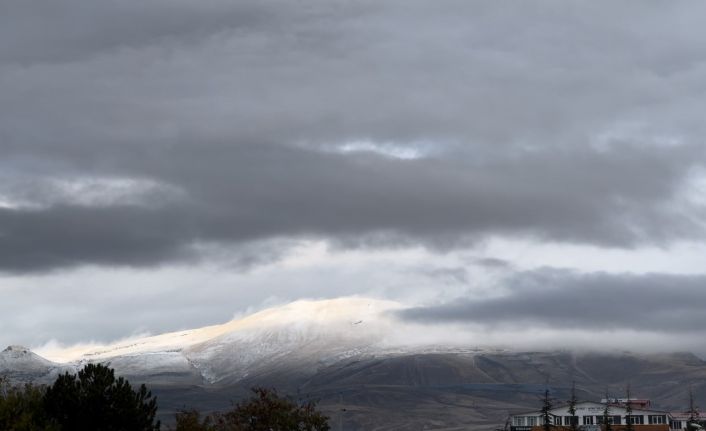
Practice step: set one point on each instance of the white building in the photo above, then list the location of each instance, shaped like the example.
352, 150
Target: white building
590, 415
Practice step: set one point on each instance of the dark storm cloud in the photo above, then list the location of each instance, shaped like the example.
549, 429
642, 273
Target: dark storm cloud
44, 31
598, 301
550, 121
244, 194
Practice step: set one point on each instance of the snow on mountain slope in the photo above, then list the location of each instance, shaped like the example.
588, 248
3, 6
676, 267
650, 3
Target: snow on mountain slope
22, 359
303, 333
20, 363
306, 332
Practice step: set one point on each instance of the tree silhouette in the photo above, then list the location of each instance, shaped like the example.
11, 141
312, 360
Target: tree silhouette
606, 414
572, 407
693, 421
21, 408
95, 400
546, 411
628, 411
265, 411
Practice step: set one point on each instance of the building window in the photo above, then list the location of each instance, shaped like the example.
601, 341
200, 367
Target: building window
635, 420
657, 419
557, 420
522, 421
611, 419
588, 420
675, 425
571, 420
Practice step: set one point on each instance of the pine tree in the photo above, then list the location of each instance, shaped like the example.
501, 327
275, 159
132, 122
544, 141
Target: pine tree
21, 408
693, 421
572, 407
606, 414
546, 411
628, 411
96, 401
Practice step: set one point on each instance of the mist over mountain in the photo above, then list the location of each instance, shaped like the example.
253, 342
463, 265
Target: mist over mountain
521, 187
348, 354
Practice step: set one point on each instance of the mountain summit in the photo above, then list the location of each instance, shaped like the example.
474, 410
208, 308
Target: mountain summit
18, 363
354, 356
305, 332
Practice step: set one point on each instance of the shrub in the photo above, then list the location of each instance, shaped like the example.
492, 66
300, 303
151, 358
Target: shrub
265, 411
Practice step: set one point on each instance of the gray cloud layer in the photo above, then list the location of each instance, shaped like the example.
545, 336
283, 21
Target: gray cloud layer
555, 121
598, 301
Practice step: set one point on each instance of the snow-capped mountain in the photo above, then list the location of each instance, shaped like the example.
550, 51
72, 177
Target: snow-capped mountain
352, 355
18, 363
305, 333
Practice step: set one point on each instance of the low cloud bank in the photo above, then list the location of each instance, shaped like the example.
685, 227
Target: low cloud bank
668, 307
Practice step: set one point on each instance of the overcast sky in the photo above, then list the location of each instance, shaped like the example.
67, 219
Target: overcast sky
527, 166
